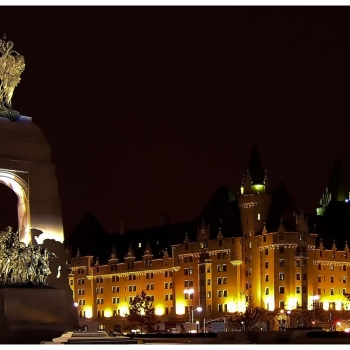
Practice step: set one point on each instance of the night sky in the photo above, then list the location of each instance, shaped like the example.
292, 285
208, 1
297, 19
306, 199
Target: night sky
151, 109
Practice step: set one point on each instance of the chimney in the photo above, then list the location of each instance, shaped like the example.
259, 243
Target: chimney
164, 219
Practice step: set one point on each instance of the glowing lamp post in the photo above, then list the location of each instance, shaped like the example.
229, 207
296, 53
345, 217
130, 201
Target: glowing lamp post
314, 298
288, 315
199, 309
189, 292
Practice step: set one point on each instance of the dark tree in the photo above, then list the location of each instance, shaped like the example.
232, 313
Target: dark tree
249, 320
141, 312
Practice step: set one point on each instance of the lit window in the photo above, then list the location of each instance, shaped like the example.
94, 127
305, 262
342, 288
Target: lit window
258, 216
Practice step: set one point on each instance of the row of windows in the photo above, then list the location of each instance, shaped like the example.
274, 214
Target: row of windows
333, 254
298, 263
319, 279
280, 250
304, 290
116, 300
133, 276
219, 281
331, 267
100, 313
281, 276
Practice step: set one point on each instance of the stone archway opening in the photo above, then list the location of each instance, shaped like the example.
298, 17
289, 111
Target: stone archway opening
8, 208
20, 188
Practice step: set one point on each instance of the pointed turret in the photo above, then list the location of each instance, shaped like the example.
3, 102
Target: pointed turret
166, 254
220, 230
334, 247
321, 245
264, 231
255, 180
203, 232
130, 253
338, 189
302, 225
97, 263
113, 253
346, 249
338, 185
281, 227
186, 241
78, 253
148, 250
256, 170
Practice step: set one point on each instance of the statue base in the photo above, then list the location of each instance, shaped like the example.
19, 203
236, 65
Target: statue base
37, 312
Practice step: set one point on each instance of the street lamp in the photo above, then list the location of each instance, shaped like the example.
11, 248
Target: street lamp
288, 313
314, 298
199, 309
189, 292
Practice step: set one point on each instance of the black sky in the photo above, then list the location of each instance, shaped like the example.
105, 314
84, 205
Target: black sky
151, 109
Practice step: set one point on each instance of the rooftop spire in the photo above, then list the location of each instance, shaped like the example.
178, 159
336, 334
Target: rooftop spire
131, 253
338, 185
114, 253
148, 249
256, 170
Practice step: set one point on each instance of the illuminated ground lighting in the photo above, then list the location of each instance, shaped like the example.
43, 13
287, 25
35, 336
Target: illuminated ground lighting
159, 310
108, 313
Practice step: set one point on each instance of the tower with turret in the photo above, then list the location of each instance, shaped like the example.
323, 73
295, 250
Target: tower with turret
254, 202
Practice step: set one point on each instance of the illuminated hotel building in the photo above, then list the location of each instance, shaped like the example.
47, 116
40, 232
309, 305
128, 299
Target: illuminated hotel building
275, 262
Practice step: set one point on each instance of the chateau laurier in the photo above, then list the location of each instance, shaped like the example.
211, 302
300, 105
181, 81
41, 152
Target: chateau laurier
250, 247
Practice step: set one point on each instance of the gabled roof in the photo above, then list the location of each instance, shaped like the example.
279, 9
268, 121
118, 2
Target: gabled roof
282, 208
222, 210
90, 237
334, 224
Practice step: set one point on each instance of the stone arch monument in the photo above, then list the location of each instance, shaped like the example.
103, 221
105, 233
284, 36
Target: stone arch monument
26, 168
